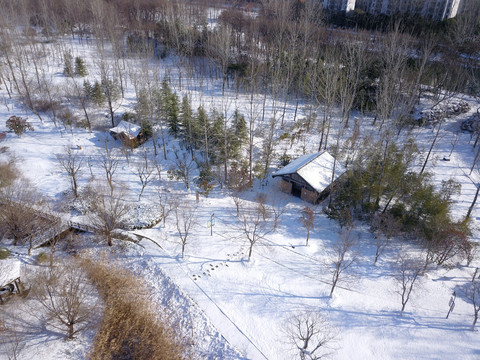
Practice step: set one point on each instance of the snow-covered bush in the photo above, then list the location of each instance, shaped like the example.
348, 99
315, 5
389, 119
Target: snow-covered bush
18, 125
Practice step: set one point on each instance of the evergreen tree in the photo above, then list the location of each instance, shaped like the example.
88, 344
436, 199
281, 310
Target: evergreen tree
173, 116
144, 107
110, 89
186, 119
67, 63
217, 138
203, 126
80, 68
97, 95
239, 129
87, 89
170, 108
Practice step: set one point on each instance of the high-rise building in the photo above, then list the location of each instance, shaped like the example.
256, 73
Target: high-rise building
432, 9
339, 5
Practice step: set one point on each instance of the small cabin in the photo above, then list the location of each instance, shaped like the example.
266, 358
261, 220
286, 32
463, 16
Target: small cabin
9, 278
311, 176
129, 134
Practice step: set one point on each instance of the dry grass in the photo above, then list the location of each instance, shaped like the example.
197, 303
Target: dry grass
131, 327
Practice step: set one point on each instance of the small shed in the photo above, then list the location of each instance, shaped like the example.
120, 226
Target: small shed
9, 278
128, 133
310, 176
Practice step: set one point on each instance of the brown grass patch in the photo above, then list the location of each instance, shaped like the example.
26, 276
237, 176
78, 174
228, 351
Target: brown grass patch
132, 327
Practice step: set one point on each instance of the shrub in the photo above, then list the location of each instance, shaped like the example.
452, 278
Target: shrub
4, 253
45, 105
68, 118
129, 116
42, 257
285, 159
18, 125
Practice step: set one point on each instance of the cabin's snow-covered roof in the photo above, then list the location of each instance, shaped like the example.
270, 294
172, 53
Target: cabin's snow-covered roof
9, 270
128, 128
316, 169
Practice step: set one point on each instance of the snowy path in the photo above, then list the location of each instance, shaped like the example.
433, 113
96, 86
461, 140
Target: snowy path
227, 327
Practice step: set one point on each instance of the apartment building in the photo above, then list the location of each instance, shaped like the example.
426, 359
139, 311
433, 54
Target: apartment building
339, 5
432, 9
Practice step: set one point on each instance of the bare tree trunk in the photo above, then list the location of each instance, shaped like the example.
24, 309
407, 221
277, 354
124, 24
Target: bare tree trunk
431, 148
472, 206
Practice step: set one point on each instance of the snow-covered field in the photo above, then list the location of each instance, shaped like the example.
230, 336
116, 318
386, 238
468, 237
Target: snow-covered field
239, 308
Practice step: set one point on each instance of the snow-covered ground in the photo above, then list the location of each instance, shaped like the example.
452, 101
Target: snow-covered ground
238, 308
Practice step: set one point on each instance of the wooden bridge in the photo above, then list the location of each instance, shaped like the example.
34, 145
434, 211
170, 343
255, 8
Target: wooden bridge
55, 229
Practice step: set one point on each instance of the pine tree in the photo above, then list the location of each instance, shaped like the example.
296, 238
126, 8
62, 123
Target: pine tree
143, 107
87, 89
217, 137
97, 94
173, 117
186, 119
170, 108
67, 63
203, 126
239, 130
80, 68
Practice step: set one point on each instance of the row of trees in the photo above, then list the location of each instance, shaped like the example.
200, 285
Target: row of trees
381, 188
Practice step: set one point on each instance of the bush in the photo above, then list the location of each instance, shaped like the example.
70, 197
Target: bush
68, 118
285, 159
45, 105
42, 258
4, 253
18, 125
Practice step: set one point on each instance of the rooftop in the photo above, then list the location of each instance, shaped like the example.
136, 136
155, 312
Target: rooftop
316, 169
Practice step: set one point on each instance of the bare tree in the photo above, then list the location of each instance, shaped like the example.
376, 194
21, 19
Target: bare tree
311, 334
261, 206
471, 292
144, 173
18, 216
434, 140
110, 88
185, 221
385, 226
183, 165
278, 208
344, 257
108, 210
308, 219
253, 226
80, 97
472, 206
67, 297
219, 50
166, 203
109, 164
237, 201
72, 163
408, 272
